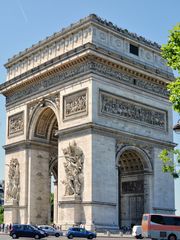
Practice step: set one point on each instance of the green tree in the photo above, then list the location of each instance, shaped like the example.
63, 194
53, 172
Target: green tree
171, 52
1, 214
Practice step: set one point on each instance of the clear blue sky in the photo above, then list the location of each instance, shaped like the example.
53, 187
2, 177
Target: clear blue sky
25, 22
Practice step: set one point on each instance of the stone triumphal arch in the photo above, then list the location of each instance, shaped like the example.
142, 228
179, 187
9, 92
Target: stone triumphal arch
89, 106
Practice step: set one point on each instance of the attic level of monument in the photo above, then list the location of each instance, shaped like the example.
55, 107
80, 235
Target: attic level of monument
90, 30
93, 19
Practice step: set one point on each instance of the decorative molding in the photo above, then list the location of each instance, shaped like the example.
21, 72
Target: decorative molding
133, 157
16, 124
128, 79
44, 123
42, 103
84, 68
86, 203
89, 29
44, 85
144, 146
75, 105
55, 99
125, 32
49, 51
122, 108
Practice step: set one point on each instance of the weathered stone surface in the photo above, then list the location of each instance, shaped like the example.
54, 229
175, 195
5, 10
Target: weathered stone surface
82, 107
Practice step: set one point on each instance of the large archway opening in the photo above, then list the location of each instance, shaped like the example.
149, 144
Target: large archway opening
44, 125
133, 164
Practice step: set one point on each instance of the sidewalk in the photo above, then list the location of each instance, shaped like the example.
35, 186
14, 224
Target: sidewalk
4, 233
114, 235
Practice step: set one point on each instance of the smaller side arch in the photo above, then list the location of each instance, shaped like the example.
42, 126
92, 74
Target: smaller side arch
37, 111
143, 154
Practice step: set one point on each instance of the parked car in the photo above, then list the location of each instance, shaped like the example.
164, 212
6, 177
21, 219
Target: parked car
51, 231
41, 230
26, 230
80, 232
137, 231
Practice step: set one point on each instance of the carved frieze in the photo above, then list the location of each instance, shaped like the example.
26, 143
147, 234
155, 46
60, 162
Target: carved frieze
133, 187
119, 107
47, 83
73, 166
75, 105
16, 124
127, 79
13, 184
94, 67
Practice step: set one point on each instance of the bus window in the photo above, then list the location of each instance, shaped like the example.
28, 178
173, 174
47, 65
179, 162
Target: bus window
169, 221
157, 219
177, 221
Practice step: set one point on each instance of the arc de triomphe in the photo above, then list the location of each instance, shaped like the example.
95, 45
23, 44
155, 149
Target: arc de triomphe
89, 106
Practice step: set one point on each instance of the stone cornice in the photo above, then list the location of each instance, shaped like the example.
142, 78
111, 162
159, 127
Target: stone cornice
94, 30
48, 68
88, 51
113, 132
96, 128
87, 64
49, 40
27, 144
125, 32
89, 19
109, 204
131, 66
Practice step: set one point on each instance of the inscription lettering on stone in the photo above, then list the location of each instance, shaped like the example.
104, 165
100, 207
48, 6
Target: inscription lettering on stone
133, 187
16, 124
75, 104
120, 108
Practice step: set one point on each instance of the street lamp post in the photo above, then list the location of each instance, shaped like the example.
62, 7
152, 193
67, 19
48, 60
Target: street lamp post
176, 128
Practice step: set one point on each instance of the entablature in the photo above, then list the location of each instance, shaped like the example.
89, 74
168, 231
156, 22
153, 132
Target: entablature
85, 60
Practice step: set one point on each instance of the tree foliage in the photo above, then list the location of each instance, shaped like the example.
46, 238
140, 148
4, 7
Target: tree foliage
168, 163
171, 52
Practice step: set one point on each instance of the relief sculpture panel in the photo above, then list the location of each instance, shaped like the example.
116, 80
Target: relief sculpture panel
13, 185
75, 105
124, 108
133, 187
16, 124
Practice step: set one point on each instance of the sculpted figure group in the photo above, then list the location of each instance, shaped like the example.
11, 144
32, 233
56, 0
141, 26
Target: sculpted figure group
73, 168
13, 185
